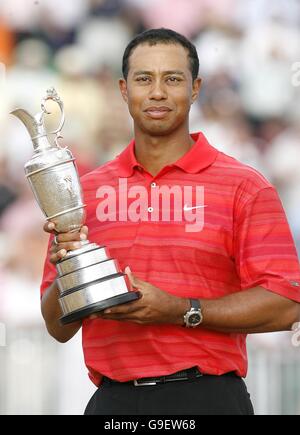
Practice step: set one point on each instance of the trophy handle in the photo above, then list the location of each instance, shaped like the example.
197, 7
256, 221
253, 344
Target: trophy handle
53, 95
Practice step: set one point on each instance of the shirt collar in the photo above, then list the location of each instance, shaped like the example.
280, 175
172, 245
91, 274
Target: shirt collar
199, 157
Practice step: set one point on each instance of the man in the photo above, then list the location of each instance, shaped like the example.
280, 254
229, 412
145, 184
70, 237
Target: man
218, 264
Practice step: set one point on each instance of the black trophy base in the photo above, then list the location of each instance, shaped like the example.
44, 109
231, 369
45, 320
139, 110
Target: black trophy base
99, 306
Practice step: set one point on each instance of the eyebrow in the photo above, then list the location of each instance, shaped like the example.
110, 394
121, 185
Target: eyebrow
165, 73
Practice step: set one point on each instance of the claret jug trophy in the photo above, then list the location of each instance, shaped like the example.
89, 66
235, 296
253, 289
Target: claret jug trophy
88, 279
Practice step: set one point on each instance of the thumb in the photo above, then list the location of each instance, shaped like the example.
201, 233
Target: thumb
134, 281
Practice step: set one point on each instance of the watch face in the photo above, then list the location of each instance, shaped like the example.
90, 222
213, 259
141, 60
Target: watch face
194, 318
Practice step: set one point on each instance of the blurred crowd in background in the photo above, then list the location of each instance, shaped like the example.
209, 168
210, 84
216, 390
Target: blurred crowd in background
248, 108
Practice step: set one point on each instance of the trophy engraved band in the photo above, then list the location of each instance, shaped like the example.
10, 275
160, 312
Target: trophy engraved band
88, 279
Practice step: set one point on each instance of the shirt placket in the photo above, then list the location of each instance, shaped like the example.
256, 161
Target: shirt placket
152, 182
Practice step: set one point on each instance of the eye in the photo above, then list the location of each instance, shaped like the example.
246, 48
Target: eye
143, 79
173, 79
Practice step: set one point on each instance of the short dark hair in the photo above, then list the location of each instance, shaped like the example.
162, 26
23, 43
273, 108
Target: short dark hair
161, 36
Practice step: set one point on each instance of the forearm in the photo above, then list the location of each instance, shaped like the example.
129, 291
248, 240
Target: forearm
251, 311
51, 312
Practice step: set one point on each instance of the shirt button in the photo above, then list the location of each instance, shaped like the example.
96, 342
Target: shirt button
153, 185
150, 209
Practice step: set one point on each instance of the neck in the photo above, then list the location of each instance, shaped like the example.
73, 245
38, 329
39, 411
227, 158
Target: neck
156, 152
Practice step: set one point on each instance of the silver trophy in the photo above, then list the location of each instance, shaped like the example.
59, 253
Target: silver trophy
89, 280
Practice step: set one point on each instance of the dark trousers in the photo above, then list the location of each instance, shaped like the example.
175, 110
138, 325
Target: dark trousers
207, 395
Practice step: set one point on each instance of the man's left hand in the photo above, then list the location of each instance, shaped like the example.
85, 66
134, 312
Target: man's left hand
154, 306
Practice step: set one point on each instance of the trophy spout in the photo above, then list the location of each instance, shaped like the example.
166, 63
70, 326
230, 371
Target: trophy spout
32, 126
35, 128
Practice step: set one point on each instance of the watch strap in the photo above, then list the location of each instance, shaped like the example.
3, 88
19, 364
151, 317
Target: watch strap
195, 304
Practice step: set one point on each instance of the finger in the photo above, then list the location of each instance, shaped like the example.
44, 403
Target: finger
119, 317
134, 281
94, 317
49, 227
54, 258
126, 318
84, 231
128, 308
125, 309
70, 237
68, 246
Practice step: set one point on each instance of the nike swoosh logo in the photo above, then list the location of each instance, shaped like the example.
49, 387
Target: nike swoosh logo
187, 208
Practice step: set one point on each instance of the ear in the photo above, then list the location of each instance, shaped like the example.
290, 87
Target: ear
123, 89
196, 89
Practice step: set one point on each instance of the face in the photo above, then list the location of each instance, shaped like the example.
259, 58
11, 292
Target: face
159, 89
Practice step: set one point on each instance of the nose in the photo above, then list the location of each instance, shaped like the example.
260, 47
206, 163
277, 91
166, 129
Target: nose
158, 91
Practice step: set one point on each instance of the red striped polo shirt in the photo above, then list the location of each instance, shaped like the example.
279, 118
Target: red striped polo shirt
239, 239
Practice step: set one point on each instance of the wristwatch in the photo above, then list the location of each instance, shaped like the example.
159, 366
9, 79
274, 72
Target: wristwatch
193, 317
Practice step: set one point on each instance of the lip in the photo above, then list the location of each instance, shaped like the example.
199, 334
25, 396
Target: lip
157, 112
158, 108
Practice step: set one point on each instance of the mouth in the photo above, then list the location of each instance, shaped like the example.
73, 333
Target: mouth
157, 112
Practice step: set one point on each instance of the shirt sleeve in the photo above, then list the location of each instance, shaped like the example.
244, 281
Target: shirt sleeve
264, 249
49, 274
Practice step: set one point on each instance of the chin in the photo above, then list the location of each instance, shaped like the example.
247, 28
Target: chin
158, 130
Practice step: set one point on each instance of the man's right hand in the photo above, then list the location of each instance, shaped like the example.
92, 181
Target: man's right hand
64, 242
